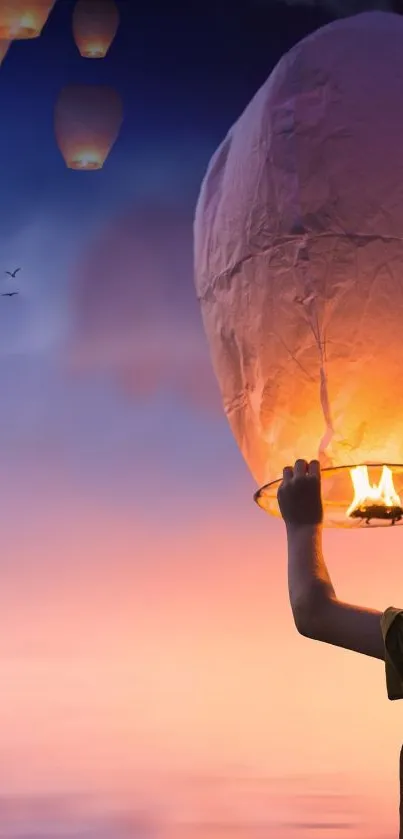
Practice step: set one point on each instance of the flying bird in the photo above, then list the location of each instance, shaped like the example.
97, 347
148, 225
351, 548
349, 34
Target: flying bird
13, 273
9, 293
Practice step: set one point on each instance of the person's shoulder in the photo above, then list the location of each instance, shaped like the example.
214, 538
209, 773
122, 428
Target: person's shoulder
392, 631
392, 616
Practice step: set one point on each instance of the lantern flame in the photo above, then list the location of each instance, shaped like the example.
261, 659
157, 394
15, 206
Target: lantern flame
87, 160
376, 501
94, 51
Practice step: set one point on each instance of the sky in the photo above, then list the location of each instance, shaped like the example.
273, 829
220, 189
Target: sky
153, 683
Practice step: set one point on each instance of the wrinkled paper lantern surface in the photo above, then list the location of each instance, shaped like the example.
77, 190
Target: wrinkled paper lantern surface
299, 258
21, 19
87, 124
95, 23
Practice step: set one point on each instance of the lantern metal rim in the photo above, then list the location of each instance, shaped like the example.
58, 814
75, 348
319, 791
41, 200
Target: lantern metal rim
329, 472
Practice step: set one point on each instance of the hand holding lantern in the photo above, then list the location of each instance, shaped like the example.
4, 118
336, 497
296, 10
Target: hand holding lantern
299, 494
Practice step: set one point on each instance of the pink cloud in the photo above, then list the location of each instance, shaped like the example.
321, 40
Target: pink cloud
135, 310
70, 817
208, 806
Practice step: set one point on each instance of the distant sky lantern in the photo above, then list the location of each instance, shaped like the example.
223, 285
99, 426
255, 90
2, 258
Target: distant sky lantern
299, 270
95, 23
21, 19
87, 124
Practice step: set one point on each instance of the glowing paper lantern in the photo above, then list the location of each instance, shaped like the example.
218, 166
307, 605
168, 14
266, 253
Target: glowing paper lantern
299, 267
4, 45
87, 124
23, 18
95, 23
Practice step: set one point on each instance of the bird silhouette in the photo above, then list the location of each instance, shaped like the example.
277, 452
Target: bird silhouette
9, 293
13, 273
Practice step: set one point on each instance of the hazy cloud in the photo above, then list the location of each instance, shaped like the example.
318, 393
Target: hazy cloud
210, 802
34, 321
318, 825
135, 313
69, 817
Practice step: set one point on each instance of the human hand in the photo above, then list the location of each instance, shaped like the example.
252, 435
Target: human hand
299, 494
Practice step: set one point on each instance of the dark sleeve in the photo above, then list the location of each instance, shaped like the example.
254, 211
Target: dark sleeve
392, 633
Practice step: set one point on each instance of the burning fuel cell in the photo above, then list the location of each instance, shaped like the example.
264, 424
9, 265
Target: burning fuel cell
299, 265
376, 501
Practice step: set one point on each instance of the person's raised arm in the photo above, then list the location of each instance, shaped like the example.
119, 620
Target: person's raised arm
317, 612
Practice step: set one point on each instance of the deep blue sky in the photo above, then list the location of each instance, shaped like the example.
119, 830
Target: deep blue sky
185, 73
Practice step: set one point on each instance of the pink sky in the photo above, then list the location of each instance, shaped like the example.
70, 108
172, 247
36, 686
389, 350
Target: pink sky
133, 652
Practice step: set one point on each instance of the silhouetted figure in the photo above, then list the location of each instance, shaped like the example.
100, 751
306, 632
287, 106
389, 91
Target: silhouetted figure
13, 273
9, 293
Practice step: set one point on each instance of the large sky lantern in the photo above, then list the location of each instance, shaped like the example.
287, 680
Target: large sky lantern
87, 122
299, 270
22, 19
95, 23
